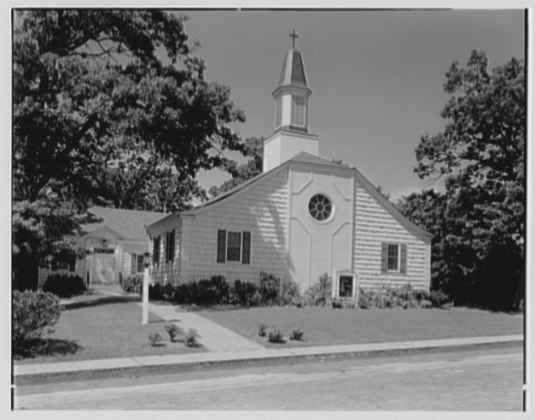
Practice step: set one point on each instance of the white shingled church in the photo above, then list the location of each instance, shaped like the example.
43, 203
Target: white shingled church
302, 217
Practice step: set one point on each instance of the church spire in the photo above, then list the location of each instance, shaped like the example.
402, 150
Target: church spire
291, 134
291, 96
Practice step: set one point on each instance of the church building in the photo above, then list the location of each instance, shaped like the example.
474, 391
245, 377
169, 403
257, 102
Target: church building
303, 217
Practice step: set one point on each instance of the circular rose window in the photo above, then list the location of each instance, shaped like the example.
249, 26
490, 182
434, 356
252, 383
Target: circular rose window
320, 207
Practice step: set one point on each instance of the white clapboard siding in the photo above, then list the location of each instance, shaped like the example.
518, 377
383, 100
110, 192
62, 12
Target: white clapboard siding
375, 225
163, 271
262, 209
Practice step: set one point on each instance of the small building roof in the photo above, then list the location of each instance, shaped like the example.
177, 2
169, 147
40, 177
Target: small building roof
130, 224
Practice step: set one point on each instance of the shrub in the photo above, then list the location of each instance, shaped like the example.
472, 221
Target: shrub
133, 283
168, 292
269, 288
365, 300
321, 292
32, 312
174, 332
297, 335
438, 298
275, 336
191, 338
262, 330
202, 292
64, 285
426, 304
155, 291
288, 292
155, 339
246, 293
337, 303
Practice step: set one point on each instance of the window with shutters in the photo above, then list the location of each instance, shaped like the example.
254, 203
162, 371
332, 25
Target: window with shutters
233, 246
298, 111
394, 258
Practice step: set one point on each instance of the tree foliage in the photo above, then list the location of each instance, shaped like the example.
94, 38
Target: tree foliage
478, 222
110, 107
241, 173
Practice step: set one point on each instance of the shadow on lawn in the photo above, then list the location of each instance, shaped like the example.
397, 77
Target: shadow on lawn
45, 347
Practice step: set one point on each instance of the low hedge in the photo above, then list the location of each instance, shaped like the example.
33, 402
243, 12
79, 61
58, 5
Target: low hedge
32, 312
132, 283
64, 285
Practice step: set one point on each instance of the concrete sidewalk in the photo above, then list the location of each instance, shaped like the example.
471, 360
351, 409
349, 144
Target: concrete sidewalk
213, 337
221, 358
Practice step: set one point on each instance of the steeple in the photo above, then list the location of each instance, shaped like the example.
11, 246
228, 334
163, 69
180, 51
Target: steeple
291, 113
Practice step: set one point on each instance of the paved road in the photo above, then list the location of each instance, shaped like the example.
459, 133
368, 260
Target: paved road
467, 380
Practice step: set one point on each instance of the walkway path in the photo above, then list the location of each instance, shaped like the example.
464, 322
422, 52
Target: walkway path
212, 336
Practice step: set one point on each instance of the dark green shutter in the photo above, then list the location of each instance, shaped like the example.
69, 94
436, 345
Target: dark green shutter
171, 246
403, 258
384, 257
246, 256
221, 245
133, 264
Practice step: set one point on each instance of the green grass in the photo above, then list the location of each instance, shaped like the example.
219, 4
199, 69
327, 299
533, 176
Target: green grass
326, 326
102, 331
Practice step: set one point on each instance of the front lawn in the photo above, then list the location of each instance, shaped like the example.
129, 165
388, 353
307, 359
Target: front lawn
102, 331
326, 326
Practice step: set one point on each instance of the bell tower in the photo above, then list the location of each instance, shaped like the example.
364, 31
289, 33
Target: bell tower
291, 134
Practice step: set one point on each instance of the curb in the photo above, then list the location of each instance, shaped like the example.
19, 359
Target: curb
85, 370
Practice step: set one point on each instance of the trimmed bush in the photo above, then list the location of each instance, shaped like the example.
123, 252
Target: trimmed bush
246, 293
426, 304
155, 339
275, 336
297, 335
191, 338
64, 285
174, 331
337, 303
133, 283
438, 298
32, 312
365, 299
262, 330
320, 294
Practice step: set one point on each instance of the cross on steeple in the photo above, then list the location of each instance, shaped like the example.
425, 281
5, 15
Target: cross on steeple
293, 35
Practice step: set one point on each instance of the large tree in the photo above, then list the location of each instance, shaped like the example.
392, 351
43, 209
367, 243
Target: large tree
479, 221
110, 107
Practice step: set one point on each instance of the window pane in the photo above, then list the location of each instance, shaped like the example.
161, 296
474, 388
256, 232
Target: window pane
233, 254
393, 256
233, 246
234, 239
140, 267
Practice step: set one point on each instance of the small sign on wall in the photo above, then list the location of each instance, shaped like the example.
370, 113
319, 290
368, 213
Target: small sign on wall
345, 285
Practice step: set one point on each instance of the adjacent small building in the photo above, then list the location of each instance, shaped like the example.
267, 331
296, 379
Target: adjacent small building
304, 216
115, 241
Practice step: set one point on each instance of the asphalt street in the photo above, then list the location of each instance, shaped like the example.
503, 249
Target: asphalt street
482, 380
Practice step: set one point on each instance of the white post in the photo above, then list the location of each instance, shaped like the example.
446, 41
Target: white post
145, 299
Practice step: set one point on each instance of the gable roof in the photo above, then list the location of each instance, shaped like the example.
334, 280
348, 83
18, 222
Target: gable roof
129, 224
307, 158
